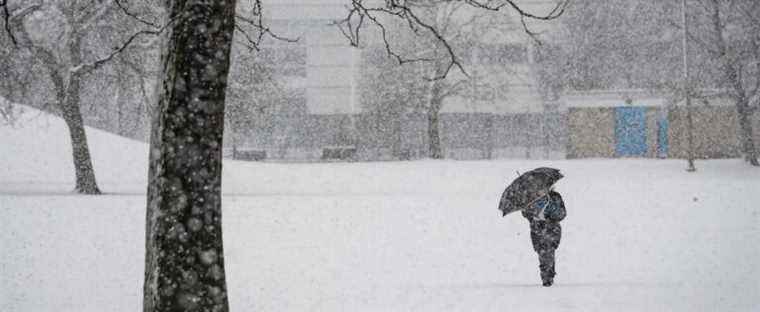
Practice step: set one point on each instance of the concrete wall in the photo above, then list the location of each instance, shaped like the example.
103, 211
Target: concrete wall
579, 133
715, 132
380, 137
590, 132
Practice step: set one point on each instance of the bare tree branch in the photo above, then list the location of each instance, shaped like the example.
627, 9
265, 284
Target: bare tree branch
692, 37
407, 15
256, 21
134, 16
404, 11
454, 88
7, 20
89, 19
262, 31
87, 68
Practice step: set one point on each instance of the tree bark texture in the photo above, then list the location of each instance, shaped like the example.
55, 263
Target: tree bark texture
747, 132
184, 264
72, 115
85, 174
66, 83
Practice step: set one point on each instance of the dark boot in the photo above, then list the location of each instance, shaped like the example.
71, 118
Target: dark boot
547, 279
548, 282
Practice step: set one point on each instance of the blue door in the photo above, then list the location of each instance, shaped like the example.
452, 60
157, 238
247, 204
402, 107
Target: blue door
630, 131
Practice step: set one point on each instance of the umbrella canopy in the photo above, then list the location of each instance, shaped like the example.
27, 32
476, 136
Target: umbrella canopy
526, 188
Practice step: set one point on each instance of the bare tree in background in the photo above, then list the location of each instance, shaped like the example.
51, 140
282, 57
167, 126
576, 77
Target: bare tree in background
389, 94
258, 92
622, 44
363, 14
444, 35
732, 39
465, 31
58, 36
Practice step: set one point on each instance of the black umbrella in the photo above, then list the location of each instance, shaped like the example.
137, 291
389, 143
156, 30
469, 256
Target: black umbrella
527, 188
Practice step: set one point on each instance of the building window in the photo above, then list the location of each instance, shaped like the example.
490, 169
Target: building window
288, 60
500, 54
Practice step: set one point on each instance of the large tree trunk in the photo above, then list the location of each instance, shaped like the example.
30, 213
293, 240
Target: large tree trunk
433, 114
399, 150
184, 263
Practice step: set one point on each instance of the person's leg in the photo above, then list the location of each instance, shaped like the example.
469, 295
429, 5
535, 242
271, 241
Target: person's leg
542, 244
546, 265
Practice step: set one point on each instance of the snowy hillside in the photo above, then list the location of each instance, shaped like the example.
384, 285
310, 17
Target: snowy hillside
36, 150
641, 235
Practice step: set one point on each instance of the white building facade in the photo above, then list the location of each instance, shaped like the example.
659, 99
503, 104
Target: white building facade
331, 66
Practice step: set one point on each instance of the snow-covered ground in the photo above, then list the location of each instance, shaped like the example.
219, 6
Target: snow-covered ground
641, 235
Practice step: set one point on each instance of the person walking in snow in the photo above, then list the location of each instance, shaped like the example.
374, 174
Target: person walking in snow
544, 215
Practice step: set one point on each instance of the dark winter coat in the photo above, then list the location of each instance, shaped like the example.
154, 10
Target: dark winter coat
544, 216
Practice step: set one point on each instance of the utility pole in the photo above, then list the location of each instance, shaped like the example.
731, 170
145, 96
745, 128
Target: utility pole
687, 94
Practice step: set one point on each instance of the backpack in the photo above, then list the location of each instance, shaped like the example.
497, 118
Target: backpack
549, 207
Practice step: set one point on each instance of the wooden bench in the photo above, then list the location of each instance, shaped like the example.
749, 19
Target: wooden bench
255, 155
338, 153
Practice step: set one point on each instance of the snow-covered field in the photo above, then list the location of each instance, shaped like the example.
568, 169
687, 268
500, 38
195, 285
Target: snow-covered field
641, 235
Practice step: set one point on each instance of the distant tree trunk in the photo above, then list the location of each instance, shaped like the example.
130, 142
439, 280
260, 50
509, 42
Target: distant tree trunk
489, 139
72, 115
85, 174
740, 93
433, 114
745, 126
233, 137
120, 106
68, 101
184, 263
744, 113
397, 145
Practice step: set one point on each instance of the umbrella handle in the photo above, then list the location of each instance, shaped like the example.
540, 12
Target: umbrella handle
537, 198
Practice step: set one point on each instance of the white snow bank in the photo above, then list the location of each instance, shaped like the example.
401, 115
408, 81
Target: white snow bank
641, 235
36, 151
